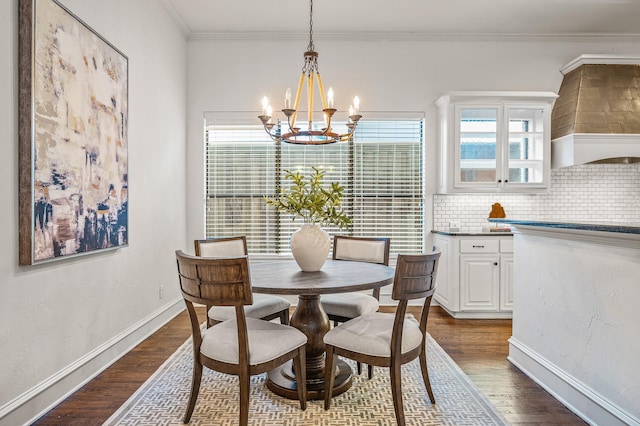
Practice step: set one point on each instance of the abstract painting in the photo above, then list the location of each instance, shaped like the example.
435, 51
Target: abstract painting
73, 112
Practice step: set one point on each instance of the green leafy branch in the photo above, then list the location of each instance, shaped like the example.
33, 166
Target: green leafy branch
309, 199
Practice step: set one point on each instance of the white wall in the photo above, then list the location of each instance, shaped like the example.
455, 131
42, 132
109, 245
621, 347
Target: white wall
388, 75
62, 322
576, 330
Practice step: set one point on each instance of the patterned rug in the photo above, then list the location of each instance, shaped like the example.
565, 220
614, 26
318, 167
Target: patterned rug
162, 399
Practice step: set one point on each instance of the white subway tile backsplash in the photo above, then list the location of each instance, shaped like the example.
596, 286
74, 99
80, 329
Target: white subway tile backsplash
586, 193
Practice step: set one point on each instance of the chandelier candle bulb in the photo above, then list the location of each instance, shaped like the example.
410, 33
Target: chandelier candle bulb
330, 98
356, 105
287, 98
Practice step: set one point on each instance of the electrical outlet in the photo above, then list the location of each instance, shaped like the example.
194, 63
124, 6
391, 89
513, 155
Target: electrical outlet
161, 292
454, 226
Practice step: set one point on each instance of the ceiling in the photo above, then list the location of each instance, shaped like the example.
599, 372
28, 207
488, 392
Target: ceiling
539, 18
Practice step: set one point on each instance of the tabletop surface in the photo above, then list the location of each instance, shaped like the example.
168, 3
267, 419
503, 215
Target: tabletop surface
336, 276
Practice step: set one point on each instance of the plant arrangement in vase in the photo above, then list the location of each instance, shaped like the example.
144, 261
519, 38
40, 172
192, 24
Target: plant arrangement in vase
318, 205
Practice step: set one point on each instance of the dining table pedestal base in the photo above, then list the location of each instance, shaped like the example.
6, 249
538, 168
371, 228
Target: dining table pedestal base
336, 276
282, 381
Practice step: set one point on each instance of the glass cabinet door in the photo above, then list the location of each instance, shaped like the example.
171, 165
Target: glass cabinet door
478, 148
525, 153
494, 141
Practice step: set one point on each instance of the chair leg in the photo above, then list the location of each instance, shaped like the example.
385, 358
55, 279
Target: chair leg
329, 375
284, 317
370, 371
425, 374
210, 322
396, 392
195, 389
359, 367
244, 398
300, 369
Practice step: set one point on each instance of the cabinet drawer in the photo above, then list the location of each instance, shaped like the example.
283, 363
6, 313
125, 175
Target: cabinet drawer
479, 246
506, 245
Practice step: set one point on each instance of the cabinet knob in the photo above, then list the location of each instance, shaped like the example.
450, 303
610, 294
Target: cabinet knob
495, 263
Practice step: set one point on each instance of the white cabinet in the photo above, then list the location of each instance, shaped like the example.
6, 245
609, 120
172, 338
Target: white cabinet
494, 141
475, 277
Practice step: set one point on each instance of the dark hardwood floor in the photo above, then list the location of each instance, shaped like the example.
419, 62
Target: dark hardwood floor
479, 347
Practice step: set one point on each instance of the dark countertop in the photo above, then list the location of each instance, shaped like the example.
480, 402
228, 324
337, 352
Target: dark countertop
625, 228
472, 234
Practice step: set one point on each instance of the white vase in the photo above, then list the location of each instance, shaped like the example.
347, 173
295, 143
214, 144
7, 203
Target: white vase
310, 246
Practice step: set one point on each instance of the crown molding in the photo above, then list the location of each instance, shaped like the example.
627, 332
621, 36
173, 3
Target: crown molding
600, 60
175, 17
410, 36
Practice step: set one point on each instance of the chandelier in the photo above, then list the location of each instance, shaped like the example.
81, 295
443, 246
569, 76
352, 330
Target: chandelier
323, 133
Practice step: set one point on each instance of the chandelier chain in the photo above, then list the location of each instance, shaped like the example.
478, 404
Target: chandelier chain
311, 47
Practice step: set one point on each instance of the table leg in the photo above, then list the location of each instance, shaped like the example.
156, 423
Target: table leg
311, 319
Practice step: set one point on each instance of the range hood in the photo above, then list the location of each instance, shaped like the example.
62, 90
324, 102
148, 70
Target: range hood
596, 118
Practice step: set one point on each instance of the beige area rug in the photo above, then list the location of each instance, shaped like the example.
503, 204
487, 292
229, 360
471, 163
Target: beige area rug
162, 399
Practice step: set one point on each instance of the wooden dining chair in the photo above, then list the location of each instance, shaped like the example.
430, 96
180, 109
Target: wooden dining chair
243, 346
265, 306
342, 307
385, 339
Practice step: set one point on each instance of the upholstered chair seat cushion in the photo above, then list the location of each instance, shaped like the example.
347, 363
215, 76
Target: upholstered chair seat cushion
267, 341
349, 305
263, 305
370, 334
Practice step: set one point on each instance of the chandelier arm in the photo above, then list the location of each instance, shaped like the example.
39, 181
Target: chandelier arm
289, 123
267, 128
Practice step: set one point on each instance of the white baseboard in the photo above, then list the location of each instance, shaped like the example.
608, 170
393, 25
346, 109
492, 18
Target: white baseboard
35, 402
576, 396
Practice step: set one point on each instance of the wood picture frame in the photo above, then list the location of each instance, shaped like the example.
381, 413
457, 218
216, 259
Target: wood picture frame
73, 136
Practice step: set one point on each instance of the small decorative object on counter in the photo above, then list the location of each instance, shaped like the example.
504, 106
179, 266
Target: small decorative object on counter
497, 212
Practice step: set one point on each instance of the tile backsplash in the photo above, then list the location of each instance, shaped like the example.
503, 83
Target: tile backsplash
586, 193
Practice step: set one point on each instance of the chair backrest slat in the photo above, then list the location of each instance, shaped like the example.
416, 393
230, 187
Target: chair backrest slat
210, 281
415, 275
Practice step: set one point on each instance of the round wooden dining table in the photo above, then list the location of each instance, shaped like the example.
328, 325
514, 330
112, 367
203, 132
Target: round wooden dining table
335, 276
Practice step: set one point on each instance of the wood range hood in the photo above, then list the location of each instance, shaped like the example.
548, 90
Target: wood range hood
596, 118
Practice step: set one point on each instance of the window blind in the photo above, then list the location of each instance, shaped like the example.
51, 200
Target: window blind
381, 169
